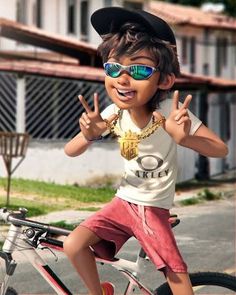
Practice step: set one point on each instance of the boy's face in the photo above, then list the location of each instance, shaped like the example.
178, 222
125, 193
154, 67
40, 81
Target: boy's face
125, 91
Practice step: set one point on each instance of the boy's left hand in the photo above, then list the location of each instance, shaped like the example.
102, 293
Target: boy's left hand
178, 124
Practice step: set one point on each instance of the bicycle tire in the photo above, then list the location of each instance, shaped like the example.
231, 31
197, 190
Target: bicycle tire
10, 291
213, 279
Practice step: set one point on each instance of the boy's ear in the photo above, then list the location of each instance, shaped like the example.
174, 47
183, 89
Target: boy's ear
167, 83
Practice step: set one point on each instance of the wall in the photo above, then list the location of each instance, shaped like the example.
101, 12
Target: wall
101, 163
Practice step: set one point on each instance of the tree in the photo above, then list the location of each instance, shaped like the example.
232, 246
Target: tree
230, 5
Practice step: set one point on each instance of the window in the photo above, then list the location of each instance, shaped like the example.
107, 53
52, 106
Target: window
234, 53
133, 5
192, 57
84, 20
184, 50
107, 3
37, 13
221, 54
21, 11
71, 16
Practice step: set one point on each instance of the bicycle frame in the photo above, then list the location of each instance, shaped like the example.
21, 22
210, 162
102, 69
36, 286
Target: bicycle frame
40, 236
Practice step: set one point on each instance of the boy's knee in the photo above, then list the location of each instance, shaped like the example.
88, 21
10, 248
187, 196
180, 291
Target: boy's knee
71, 247
68, 245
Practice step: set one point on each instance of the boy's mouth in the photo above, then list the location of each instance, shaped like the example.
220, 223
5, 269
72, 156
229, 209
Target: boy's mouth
128, 94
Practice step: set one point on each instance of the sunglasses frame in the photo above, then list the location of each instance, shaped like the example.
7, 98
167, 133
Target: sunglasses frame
127, 69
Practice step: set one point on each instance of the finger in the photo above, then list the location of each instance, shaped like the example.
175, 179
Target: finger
96, 103
187, 101
175, 100
82, 122
84, 103
86, 118
182, 112
158, 117
85, 123
112, 118
183, 120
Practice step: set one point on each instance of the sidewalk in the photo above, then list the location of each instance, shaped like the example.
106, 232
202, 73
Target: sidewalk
225, 184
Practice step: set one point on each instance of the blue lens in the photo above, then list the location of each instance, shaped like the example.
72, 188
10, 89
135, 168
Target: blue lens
140, 72
137, 72
112, 69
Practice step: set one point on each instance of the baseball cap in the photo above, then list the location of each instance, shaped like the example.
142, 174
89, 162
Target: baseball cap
110, 19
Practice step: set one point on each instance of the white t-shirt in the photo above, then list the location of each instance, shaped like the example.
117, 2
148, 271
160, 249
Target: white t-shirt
149, 179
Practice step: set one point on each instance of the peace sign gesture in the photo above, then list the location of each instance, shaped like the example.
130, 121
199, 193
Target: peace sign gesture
91, 123
178, 124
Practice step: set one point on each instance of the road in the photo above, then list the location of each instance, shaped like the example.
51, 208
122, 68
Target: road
206, 237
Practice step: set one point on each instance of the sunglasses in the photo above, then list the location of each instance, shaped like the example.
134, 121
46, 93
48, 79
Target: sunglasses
137, 72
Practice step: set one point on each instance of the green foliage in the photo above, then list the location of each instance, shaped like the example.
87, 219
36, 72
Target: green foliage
230, 5
204, 195
190, 201
34, 208
207, 195
82, 194
64, 224
40, 198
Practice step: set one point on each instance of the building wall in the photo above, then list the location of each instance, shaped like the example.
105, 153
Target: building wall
45, 159
54, 20
206, 53
36, 166
101, 163
48, 162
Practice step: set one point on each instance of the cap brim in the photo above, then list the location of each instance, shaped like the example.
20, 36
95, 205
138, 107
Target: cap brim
110, 19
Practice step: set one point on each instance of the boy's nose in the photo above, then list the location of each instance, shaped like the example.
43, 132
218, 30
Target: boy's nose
124, 78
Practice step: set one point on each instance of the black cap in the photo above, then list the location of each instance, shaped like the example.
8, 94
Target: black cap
110, 19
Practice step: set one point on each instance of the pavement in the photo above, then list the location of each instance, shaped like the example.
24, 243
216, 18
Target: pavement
225, 184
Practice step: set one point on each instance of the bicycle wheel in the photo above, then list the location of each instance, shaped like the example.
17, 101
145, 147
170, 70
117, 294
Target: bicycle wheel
206, 283
10, 291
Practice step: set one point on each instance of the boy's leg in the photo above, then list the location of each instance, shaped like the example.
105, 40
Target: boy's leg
179, 283
76, 247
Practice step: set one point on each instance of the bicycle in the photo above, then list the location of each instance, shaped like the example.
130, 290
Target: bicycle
29, 235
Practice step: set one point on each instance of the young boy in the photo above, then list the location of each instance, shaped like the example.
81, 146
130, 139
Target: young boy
140, 62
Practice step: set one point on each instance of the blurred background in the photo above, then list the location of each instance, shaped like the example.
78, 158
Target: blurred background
48, 56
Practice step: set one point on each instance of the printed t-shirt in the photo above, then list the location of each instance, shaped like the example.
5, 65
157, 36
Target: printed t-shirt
149, 179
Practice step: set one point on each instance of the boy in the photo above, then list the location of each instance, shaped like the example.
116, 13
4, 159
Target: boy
140, 62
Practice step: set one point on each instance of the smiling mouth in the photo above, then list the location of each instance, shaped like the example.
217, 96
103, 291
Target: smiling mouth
126, 94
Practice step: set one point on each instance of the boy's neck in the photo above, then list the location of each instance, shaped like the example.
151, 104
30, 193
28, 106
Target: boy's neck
141, 117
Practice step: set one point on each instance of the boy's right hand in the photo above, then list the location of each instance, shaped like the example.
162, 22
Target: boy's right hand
91, 123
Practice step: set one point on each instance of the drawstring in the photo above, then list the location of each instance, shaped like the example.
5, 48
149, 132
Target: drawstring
147, 229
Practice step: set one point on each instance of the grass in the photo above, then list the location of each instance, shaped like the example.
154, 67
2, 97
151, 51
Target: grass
43, 197
64, 224
82, 194
203, 195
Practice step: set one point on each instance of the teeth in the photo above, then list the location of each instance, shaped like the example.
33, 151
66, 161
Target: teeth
124, 91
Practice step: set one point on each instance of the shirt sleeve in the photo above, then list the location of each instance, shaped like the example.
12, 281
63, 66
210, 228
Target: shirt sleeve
107, 112
195, 123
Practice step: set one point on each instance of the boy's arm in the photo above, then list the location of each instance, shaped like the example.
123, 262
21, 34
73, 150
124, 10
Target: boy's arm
178, 126
205, 142
92, 126
77, 145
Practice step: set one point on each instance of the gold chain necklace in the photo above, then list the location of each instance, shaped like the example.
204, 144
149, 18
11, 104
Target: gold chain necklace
129, 140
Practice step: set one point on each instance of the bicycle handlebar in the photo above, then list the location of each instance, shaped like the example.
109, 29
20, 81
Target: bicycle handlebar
18, 219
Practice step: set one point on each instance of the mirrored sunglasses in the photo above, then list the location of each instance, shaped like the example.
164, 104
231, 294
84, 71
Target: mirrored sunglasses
137, 72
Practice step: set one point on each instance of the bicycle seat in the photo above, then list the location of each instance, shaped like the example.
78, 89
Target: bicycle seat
174, 220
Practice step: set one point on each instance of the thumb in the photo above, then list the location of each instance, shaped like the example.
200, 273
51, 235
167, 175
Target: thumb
159, 117
112, 118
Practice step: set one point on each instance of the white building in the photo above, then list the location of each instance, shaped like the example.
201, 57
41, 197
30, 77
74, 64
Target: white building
202, 39
63, 17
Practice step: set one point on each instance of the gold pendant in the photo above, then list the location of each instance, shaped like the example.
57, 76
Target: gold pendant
129, 145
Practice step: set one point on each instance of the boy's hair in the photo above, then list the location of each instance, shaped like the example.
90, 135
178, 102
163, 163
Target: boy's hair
132, 38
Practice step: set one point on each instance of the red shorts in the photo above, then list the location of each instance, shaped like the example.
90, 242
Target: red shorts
119, 220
